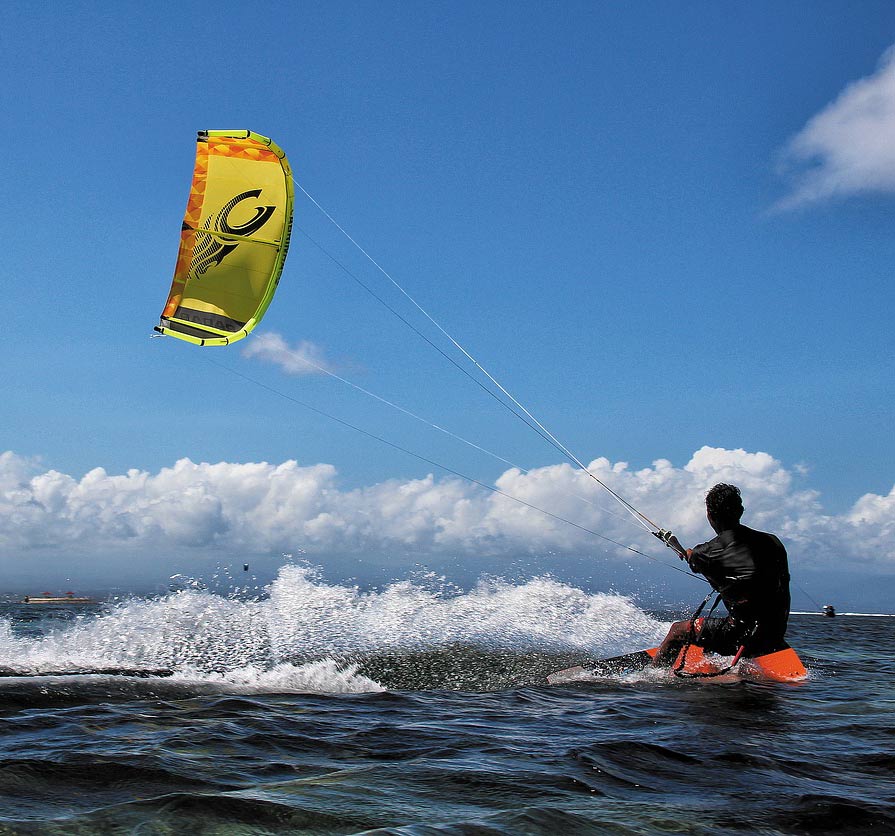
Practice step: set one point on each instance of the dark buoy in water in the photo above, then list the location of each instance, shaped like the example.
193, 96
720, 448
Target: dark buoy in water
245, 567
829, 611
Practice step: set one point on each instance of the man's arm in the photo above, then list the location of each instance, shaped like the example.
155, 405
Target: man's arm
696, 560
673, 543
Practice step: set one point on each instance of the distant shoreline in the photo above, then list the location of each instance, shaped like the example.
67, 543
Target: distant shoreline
838, 614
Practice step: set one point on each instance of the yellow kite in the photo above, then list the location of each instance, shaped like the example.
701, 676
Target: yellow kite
233, 241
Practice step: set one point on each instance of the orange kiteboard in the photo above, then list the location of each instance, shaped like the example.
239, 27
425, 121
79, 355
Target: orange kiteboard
781, 666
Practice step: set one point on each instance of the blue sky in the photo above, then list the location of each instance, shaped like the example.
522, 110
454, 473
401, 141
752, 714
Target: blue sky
606, 204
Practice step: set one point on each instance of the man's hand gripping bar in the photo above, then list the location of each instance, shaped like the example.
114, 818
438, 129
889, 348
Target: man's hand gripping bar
672, 542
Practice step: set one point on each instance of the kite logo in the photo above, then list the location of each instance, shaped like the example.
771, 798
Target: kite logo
209, 249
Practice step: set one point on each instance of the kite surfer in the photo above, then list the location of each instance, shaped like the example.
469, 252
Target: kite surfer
750, 572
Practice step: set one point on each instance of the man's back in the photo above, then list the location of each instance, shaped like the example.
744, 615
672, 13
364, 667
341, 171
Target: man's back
750, 570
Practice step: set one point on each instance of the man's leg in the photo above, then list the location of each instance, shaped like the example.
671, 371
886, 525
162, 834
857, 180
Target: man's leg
672, 644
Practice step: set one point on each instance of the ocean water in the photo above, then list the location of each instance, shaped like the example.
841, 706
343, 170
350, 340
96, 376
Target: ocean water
422, 709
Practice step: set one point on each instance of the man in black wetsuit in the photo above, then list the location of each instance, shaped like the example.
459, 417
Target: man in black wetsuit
749, 569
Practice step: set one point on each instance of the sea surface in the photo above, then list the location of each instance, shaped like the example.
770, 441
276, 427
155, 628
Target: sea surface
422, 709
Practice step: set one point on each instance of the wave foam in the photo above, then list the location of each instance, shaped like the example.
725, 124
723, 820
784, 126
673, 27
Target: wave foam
307, 635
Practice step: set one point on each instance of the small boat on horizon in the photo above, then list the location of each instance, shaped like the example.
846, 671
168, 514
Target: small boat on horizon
50, 598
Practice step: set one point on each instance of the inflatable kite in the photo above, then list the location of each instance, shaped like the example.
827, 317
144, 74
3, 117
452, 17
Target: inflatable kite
233, 241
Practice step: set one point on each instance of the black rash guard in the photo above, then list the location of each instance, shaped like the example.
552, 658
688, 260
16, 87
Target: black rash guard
750, 570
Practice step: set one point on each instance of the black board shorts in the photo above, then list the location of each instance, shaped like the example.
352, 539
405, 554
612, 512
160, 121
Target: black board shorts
721, 635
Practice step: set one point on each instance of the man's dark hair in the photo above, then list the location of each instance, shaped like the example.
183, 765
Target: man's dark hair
724, 504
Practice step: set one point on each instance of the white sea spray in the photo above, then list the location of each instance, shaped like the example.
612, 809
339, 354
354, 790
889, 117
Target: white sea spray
306, 634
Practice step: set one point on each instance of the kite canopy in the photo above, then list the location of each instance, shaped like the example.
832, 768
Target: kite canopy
233, 241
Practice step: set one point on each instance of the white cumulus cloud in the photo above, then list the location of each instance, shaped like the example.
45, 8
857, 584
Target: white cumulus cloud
239, 508
849, 147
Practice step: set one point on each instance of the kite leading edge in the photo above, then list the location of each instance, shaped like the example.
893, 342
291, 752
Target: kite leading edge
233, 241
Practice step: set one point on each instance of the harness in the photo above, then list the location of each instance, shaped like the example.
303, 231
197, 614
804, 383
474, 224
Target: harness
691, 640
